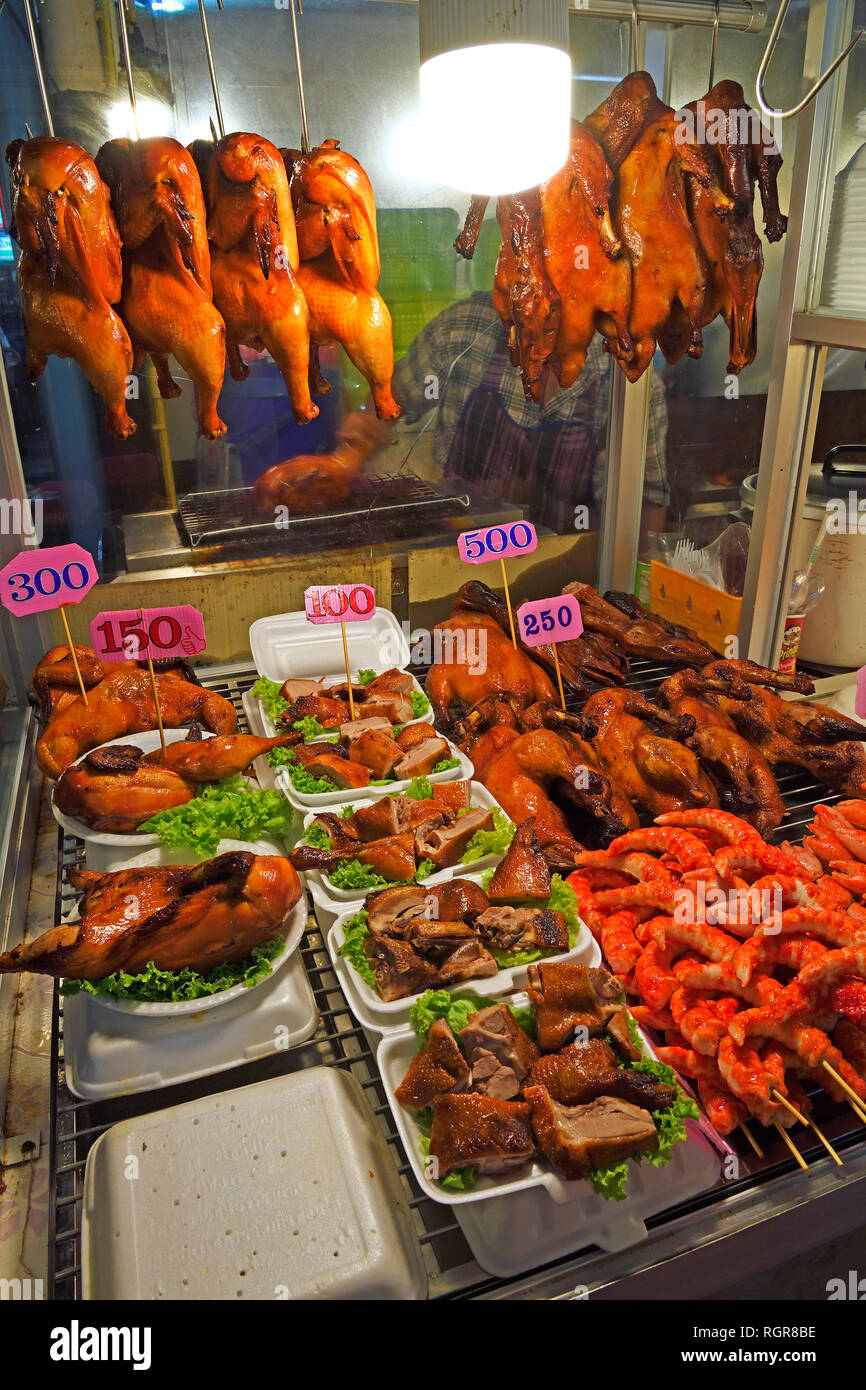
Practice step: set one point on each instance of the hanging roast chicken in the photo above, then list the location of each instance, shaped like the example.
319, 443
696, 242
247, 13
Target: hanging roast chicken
167, 302
335, 212
254, 260
69, 273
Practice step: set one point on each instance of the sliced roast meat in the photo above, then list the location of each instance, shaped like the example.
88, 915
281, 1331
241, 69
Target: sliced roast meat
491, 1135
329, 713
524, 872
446, 844
385, 817
340, 771
377, 751
582, 1072
399, 970
567, 996
395, 708
438, 1068
469, 962
342, 833
120, 757
578, 1139
390, 910
520, 928
438, 939
414, 734
422, 758
297, 687
392, 682
498, 1051
353, 730
459, 900
618, 1029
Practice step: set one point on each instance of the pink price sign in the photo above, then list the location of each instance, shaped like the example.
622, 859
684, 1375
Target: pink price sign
37, 580
339, 603
860, 697
550, 620
496, 543
155, 634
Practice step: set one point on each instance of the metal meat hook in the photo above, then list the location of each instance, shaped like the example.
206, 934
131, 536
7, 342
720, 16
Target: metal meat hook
765, 63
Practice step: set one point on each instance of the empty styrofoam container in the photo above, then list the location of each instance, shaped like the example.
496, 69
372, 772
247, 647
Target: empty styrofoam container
280, 1190
286, 644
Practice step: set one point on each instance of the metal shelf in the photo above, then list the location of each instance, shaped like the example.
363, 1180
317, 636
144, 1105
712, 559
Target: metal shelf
764, 1189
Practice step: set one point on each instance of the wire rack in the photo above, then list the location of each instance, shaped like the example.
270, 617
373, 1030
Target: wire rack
379, 507
340, 1042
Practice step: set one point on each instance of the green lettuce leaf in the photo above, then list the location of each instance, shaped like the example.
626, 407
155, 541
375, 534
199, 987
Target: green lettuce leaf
494, 841
269, 693
366, 675
351, 873
317, 836
155, 986
457, 1009
419, 702
227, 810
355, 933
445, 763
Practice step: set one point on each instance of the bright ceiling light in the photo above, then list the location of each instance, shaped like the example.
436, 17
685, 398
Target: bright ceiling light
496, 90
154, 118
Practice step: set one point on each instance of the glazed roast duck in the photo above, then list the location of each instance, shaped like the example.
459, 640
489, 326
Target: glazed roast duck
178, 918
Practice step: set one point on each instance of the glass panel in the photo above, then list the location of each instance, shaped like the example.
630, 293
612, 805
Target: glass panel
716, 414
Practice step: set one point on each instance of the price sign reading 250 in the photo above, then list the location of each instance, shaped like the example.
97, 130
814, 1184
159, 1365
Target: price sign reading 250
497, 542
550, 620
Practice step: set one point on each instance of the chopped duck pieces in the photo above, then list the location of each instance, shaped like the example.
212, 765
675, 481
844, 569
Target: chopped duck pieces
582, 1072
520, 928
524, 872
492, 1135
617, 1027
377, 751
578, 1139
446, 844
439, 1067
422, 758
399, 970
567, 996
500, 1054
469, 962
339, 770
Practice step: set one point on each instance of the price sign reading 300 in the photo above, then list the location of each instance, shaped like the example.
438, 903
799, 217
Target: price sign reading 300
37, 580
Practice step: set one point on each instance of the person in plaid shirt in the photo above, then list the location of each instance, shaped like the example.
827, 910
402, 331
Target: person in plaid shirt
547, 458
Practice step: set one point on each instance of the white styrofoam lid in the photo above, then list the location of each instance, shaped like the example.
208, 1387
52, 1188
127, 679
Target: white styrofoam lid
280, 1190
287, 645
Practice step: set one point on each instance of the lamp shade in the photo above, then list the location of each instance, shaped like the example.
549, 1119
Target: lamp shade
496, 90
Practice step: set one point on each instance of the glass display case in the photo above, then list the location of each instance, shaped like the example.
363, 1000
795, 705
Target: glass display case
615, 475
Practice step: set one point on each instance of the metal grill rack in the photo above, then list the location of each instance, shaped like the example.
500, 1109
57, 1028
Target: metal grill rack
380, 507
339, 1041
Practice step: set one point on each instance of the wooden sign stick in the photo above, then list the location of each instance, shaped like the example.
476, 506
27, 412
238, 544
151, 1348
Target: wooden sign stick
156, 703
508, 601
348, 672
72, 653
558, 676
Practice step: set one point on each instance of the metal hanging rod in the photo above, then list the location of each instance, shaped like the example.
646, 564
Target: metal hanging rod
124, 43
765, 63
714, 47
744, 15
40, 76
305, 133
210, 66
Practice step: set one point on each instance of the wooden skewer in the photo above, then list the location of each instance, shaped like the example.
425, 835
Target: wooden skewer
752, 1140
508, 601
156, 702
856, 1103
559, 678
793, 1147
348, 672
810, 1124
74, 657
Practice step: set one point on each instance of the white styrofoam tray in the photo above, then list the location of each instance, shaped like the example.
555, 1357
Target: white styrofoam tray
271, 730
286, 644
280, 1190
393, 1056
108, 1053
374, 1013
106, 851
322, 801
481, 799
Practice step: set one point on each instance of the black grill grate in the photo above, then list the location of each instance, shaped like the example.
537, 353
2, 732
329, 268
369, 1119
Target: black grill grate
380, 507
340, 1042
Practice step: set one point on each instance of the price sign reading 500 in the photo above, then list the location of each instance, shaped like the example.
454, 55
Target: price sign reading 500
497, 542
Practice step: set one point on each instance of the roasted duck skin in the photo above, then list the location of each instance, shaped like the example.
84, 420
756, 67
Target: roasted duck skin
167, 302
119, 802
212, 759
578, 1139
492, 1135
359, 320
523, 873
499, 1052
335, 210
567, 996
656, 772
254, 262
179, 918
583, 1072
439, 1067
69, 273
121, 704
524, 295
